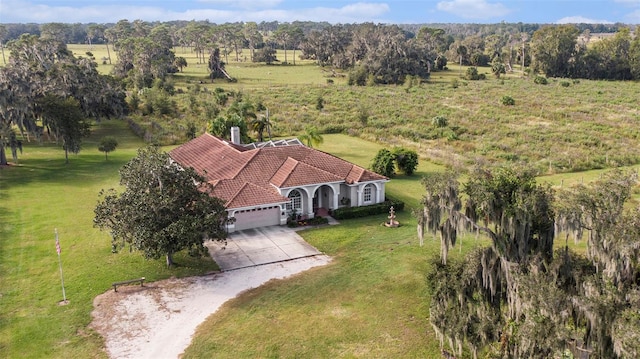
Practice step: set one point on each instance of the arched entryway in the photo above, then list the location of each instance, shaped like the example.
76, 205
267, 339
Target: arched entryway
323, 199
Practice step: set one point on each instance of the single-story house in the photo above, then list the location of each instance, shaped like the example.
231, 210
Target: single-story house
264, 183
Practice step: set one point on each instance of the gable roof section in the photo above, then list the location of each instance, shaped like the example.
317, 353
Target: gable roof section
245, 177
252, 195
294, 173
212, 157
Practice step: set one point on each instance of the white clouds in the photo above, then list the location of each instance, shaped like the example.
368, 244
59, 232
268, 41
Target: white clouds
243, 4
218, 11
474, 9
633, 17
581, 20
24, 11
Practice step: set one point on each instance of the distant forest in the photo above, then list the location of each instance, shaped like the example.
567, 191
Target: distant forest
370, 53
77, 33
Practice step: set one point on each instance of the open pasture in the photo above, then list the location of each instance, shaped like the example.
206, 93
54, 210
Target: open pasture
565, 126
372, 301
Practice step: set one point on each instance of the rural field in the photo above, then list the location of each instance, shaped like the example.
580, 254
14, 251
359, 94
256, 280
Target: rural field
373, 300
564, 126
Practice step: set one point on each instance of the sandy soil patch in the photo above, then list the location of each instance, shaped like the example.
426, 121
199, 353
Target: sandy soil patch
159, 319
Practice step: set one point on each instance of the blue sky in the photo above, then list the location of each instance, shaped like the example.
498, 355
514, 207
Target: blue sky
333, 11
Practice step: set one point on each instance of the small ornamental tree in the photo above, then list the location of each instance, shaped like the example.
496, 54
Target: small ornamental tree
406, 160
384, 163
107, 144
163, 209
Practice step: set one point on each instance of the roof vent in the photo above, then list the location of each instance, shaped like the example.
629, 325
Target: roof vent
235, 135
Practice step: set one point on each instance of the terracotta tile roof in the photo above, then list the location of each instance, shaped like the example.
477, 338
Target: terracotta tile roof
294, 173
251, 195
212, 157
246, 177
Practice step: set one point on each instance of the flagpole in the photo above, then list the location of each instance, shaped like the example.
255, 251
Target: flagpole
64, 295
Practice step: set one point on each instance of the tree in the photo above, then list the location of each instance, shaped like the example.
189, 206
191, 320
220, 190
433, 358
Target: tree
253, 37
221, 127
296, 37
461, 50
3, 35
63, 117
519, 299
216, 66
38, 68
180, 62
383, 163
634, 57
259, 125
497, 67
282, 37
612, 55
266, 54
163, 209
107, 144
516, 214
612, 293
406, 160
553, 50
311, 136
8, 139
433, 40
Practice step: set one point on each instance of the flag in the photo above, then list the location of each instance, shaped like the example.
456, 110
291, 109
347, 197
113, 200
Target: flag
57, 244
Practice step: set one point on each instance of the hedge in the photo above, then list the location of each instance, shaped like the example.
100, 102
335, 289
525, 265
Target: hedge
357, 212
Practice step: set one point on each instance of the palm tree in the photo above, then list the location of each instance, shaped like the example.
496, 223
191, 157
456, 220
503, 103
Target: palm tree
260, 124
311, 137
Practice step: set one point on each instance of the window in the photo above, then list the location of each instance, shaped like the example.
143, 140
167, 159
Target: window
367, 194
296, 200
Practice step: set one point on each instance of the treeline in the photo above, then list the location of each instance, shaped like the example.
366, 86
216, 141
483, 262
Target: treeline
78, 33
372, 53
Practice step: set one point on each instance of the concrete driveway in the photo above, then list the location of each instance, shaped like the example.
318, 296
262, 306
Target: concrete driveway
253, 247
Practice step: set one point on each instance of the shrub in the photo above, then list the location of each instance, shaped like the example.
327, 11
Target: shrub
540, 80
319, 103
508, 101
439, 121
371, 80
383, 163
363, 115
565, 84
365, 211
406, 160
357, 76
472, 74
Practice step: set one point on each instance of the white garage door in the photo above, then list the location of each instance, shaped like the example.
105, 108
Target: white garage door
260, 217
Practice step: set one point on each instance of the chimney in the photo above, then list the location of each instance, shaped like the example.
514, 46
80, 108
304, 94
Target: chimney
235, 135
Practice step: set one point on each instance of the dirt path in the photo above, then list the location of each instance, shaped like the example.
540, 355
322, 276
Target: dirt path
159, 319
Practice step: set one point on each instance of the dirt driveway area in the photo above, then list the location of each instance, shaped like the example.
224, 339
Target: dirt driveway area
159, 319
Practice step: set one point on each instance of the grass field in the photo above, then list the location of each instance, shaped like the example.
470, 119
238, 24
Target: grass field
565, 126
372, 301
42, 194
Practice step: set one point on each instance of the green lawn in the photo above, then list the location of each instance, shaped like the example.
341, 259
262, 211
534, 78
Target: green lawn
40, 195
371, 301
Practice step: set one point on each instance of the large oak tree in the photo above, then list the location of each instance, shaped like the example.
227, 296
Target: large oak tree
518, 299
163, 209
